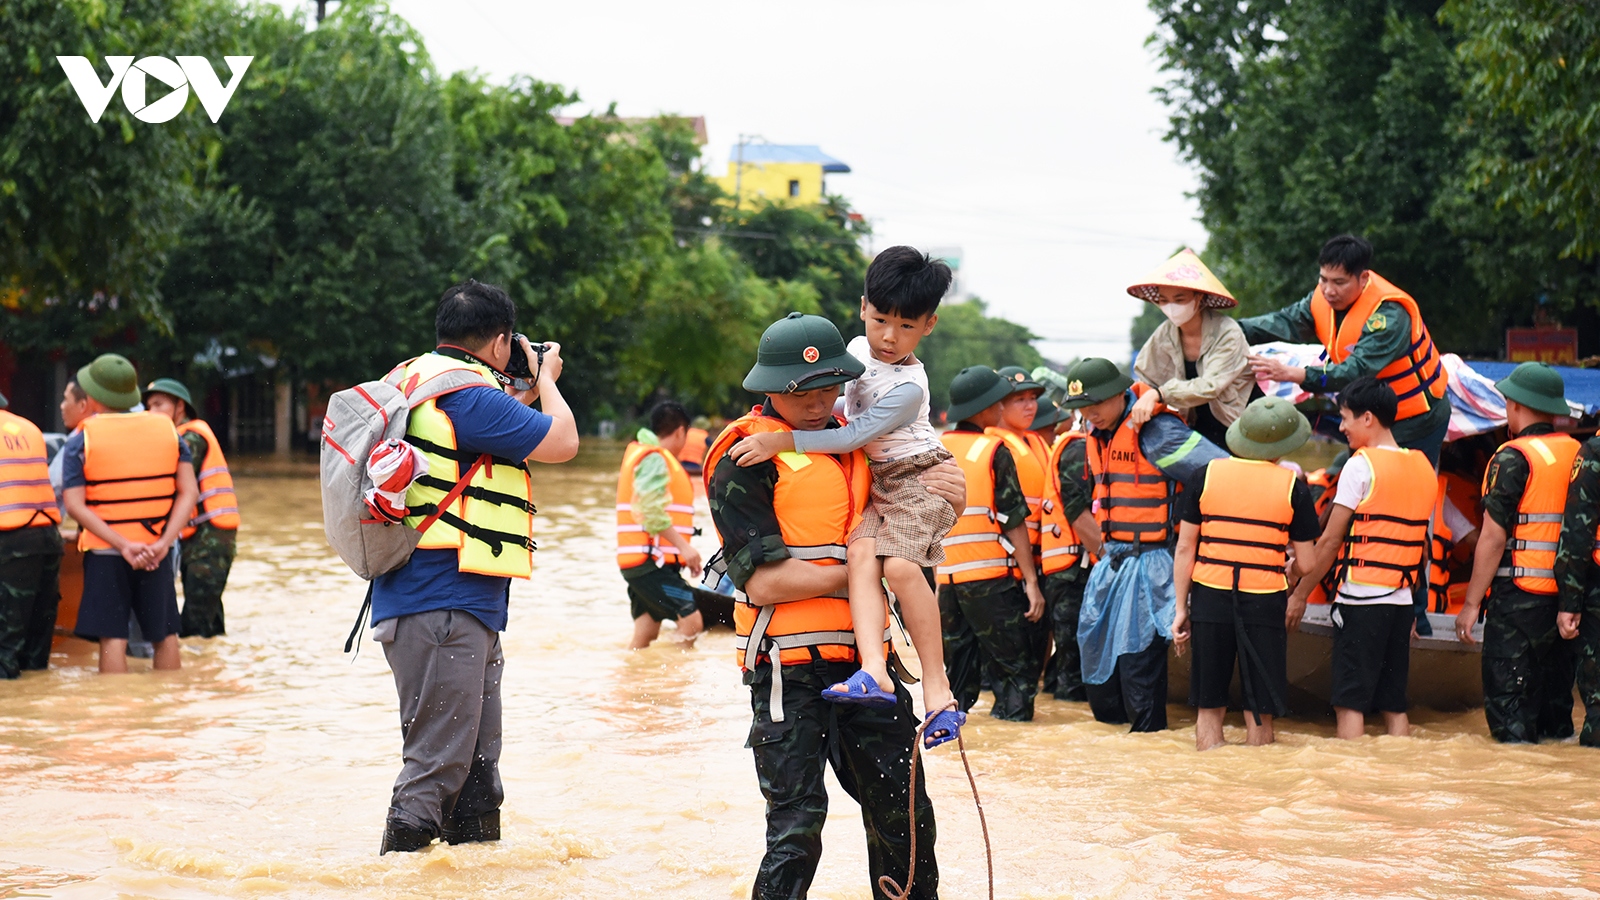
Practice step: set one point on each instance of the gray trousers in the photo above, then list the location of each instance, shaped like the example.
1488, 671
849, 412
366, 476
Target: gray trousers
447, 668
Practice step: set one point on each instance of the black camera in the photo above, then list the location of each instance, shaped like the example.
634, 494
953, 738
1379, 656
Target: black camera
518, 366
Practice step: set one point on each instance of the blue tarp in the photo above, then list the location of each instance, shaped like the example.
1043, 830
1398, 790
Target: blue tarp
1583, 385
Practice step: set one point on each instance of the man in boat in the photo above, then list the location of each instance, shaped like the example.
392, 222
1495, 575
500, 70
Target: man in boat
129, 484
1135, 473
1377, 531
990, 605
1527, 666
30, 547
1368, 327
440, 615
655, 520
1578, 575
1234, 538
784, 525
208, 543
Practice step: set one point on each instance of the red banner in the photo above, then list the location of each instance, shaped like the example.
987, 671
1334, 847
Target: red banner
1557, 346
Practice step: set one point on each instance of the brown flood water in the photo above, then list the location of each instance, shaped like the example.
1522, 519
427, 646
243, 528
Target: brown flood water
263, 768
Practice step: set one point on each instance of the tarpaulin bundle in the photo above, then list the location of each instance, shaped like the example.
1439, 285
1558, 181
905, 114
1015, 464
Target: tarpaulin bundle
393, 465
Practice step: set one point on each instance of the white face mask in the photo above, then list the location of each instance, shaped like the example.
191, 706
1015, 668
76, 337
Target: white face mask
1179, 313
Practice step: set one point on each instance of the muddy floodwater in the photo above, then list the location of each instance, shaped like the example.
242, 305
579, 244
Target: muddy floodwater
264, 767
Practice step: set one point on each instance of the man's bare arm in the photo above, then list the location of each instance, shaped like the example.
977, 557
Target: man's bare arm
788, 580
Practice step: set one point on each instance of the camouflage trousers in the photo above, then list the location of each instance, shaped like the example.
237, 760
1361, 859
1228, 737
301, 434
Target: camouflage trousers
1527, 669
986, 632
1587, 652
207, 557
1063, 594
29, 594
870, 751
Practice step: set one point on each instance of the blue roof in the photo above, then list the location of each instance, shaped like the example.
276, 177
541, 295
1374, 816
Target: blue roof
1583, 385
787, 153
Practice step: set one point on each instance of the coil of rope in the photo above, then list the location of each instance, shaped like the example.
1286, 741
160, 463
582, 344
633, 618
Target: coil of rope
886, 884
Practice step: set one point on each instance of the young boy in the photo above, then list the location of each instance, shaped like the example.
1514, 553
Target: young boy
887, 408
655, 520
1378, 529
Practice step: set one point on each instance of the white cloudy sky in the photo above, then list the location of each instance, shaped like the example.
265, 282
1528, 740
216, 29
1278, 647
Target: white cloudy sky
1023, 133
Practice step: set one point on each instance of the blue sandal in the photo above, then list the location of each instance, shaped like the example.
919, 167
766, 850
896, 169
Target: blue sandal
860, 689
942, 727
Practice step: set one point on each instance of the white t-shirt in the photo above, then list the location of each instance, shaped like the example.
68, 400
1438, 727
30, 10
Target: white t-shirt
917, 436
1354, 482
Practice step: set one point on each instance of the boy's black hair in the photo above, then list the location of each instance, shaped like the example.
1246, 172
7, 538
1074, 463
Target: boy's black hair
904, 281
668, 416
472, 314
1348, 252
1369, 395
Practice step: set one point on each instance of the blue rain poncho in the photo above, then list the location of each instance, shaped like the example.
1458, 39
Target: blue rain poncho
1128, 601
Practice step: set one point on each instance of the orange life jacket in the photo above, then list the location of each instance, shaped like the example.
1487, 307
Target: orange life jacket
818, 500
1246, 506
1388, 537
693, 453
1330, 489
1416, 375
1132, 498
1439, 566
130, 473
635, 546
218, 504
1030, 455
26, 498
1467, 496
976, 548
1059, 547
1532, 541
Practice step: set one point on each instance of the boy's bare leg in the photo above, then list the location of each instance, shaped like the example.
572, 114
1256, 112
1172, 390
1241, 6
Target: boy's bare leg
1352, 723
867, 606
169, 655
1208, 728
645, 630
690, 626
1398, 724
919, 607
113, 656
1258, 735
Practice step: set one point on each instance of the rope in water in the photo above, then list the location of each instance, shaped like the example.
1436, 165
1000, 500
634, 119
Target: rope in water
886, 884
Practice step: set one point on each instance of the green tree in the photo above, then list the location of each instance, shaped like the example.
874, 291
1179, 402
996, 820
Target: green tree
816, 245
968, 336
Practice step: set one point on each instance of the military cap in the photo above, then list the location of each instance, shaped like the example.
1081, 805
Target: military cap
975, 389
1269, 428
801, 353
1019, 380
170, 386
1093, 380
1536, 386
111, 380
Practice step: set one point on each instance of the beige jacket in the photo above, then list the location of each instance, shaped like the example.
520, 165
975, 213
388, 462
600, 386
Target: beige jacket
1224, 380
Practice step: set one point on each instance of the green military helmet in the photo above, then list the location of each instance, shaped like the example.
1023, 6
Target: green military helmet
111, 380
1269, 428
1092, 381
1049, 415
975, 389
171, 386
801, 353
1536, 386
1019, 380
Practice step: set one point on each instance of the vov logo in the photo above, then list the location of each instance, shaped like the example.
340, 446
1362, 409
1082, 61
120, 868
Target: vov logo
187, 72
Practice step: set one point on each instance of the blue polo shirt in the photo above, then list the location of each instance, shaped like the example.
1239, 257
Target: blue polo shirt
486, 420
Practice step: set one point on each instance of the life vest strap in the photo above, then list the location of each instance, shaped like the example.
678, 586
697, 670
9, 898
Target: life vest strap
100, 481
460, 456
24, 461
212, 514
1242, 520
969, 539
495, 539
1240, 542
1001, 563
1534, 545
24, 482
1135, 527
478, 492
1538, 518
1398, 520
1115, 502
1520, 572
817, 551
1069, 550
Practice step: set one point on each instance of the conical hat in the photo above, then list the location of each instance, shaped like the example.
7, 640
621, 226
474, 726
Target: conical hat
1185, 271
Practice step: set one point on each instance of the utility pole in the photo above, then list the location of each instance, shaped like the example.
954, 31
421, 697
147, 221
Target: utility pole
738, 171
322, 10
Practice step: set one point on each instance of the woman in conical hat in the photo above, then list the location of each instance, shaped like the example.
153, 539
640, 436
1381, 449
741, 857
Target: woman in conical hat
1197, 360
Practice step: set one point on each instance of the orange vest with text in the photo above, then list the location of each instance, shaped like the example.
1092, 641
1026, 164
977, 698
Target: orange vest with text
1059, 548
818, 500
1416, 375
26, 498
1246, 506
975, 549
218, 504
130, 473
1132, 498
635, 546
1532, 541
1030, 455
1388, 537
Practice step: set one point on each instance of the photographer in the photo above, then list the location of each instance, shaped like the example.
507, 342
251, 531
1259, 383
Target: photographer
439, 616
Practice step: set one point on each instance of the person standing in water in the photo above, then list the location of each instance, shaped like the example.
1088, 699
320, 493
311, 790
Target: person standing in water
655, 520
30, 547
1197, 360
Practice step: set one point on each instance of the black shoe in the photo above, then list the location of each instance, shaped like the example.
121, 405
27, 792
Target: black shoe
472, 829
401, 837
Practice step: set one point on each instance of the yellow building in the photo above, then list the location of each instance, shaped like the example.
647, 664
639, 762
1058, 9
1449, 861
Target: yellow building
779, 173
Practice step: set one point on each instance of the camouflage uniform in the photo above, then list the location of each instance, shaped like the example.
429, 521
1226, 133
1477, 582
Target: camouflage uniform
986, 631
1577, 577
205, 559
1527, 667
1063, 591
869, 749
30, 568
